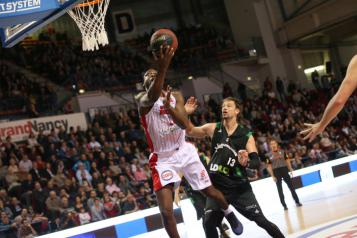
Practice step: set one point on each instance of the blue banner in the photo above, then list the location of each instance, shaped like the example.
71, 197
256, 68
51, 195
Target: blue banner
13, 12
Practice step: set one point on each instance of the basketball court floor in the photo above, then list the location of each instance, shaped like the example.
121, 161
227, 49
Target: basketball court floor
329, 211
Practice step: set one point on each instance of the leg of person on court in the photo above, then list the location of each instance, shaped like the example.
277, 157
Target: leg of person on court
280, 188
247, 205
197, 176
165, 201
213, 217
236, 225
288, 181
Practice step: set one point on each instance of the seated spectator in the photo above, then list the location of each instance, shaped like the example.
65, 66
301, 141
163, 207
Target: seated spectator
35, 172
97, 210
7, 227
111, 187
5, 209
94, 144
326, 143
25, 165
54, 205
26, 230
39, 198
114, 168
140, 174
83, 160
91, 199
59, 179
84, 217
27, 187
68, 220
317, 155
48, 173
110, 207
32, 141
130, 205
24, 215
78, 203
13, 168
15, 206
83, 174
125, 185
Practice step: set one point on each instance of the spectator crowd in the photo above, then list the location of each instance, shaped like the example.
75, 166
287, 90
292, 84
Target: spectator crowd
65, 64
20, 96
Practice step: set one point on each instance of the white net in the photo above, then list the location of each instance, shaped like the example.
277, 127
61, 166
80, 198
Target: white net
90, 19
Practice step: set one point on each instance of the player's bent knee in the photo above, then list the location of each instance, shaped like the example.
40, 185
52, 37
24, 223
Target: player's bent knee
209, 191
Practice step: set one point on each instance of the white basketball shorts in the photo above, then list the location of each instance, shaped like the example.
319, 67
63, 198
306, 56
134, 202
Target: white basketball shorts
167, 167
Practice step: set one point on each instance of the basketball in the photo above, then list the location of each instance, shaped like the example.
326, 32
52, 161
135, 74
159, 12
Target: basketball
163, 37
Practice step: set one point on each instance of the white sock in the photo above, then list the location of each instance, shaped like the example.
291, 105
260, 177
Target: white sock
228, 210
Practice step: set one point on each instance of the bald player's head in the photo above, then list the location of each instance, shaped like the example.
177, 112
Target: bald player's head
149, 76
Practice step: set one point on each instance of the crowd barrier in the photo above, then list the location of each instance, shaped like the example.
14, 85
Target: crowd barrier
147, 223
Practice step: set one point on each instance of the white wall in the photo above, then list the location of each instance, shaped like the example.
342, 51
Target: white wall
200, 86
258, 73
95, 99
346, 53
274, 55
243, 21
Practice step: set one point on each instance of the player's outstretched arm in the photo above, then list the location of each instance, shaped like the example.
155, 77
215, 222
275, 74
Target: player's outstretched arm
336, 104
203, 131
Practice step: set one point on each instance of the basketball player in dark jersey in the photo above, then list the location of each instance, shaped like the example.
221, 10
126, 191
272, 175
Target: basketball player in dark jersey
233, 149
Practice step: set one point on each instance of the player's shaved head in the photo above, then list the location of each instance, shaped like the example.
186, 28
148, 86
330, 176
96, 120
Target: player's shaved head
149, 76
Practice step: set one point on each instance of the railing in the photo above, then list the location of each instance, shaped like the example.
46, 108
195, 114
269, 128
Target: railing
290, 9
122, 108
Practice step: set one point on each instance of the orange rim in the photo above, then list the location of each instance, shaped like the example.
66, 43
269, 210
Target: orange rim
86, 4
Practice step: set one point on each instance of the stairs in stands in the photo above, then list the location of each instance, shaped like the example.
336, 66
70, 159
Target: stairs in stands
63, 95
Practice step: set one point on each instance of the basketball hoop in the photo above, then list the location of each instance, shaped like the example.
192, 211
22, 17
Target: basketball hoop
90, 19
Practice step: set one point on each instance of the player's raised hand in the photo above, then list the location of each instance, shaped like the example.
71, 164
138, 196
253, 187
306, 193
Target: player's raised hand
167, 97
191, 105
243, 158
164, 56
311, 131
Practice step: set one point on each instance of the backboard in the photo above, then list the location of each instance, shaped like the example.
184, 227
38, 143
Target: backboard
19, 18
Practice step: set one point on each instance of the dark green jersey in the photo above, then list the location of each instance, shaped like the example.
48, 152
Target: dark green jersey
225, 171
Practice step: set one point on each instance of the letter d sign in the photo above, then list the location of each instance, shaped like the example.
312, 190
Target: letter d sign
124, 21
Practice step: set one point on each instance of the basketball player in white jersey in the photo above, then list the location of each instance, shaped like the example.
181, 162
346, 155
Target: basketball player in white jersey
336, 104
164, 119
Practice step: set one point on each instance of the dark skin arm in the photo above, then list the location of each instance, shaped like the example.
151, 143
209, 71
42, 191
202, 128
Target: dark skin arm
178, 113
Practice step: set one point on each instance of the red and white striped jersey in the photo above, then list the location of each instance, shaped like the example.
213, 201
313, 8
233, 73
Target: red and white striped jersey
162, 134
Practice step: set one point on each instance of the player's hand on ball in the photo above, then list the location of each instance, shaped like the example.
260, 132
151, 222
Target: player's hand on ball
311, 131
164, 56
191, 105
167, 98
243, 158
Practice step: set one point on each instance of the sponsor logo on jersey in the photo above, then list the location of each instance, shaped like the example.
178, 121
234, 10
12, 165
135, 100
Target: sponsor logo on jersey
221, 146
219, 168
167, 175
